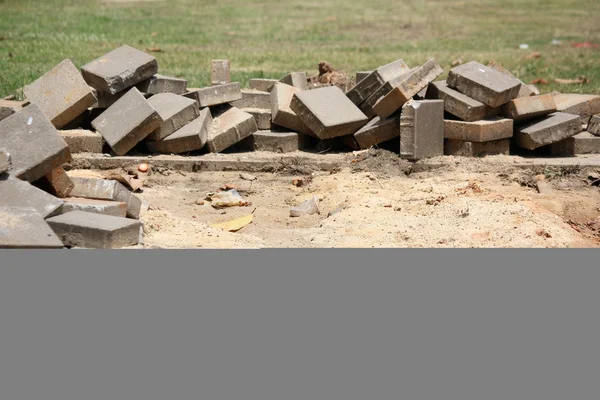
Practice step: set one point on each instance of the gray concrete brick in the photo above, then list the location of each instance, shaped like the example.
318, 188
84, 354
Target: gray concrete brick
422, 129
586, 143
120, 69
594, 125
215, 95
360, 75
190, 137
253, 99
220, 72
127, 122
93, 230
17, 193
262, 117
162, 84
367, 106
263, 85
83, 141
328, 112
524, 90
175, 111
530, 107
33, 142
459, 105
61, 94
56, 182
479, 131
106, 207
104, 189
24, 228
9, 107
276, 142
554, 128
377, 131
374, 81
412, 84
584, 105
562, 148
464, 148
296, 79
5, 162
230, 126
484, 84
282, 114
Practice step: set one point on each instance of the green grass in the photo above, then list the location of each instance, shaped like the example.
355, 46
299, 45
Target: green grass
271, 38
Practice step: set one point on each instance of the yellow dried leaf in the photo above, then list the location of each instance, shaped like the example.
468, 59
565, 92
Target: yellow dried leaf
235, 224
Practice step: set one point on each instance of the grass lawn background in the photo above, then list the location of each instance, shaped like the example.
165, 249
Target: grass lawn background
271, 38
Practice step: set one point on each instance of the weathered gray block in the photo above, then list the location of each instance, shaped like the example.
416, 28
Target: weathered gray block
104, 189
594, 125
360, 75
487, 85
5, 161
282, 114
215, 95
367, 106
374, 81
479, 131
120, 69
127, 122
17, 193
412, 84
377, 131
190, 137
422, 129
459, 105
584, 105
554, 128
220, 72
175, 111
230, 126
464, 148
92, 230
33, 142
529, 107
276, 142
263, 85
524, 90
83, 141
586, 143
328, 112
106, 207
9, 107
61, 94
253, 99
296, 79
56, 182
162, 84
24, 228
262, 117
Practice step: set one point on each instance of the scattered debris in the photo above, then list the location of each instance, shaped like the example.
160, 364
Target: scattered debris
309, 207
229, 198
247, 177
578, 81
235, 225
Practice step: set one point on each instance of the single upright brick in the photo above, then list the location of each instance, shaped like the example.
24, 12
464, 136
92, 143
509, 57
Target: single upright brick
33, 142
459, 105
57, 183
410, 86
264, 85
127, 122
524, 90
282, 114
276, 142
220, 72
190, 137
328, 112
525, 108
9, 107
104, 189
262, 117
253, 99
586, 143
479, 131
175, 111
377, 131
120, 69
83, 141
422, 129
554, 128
93, 230
24, 228
369, 85
584, 105
464, 148
17, 193
487, 85
162, 84
230, 126
215, 95
296, 79
61, 94
360, 75
106, 207
594, 125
